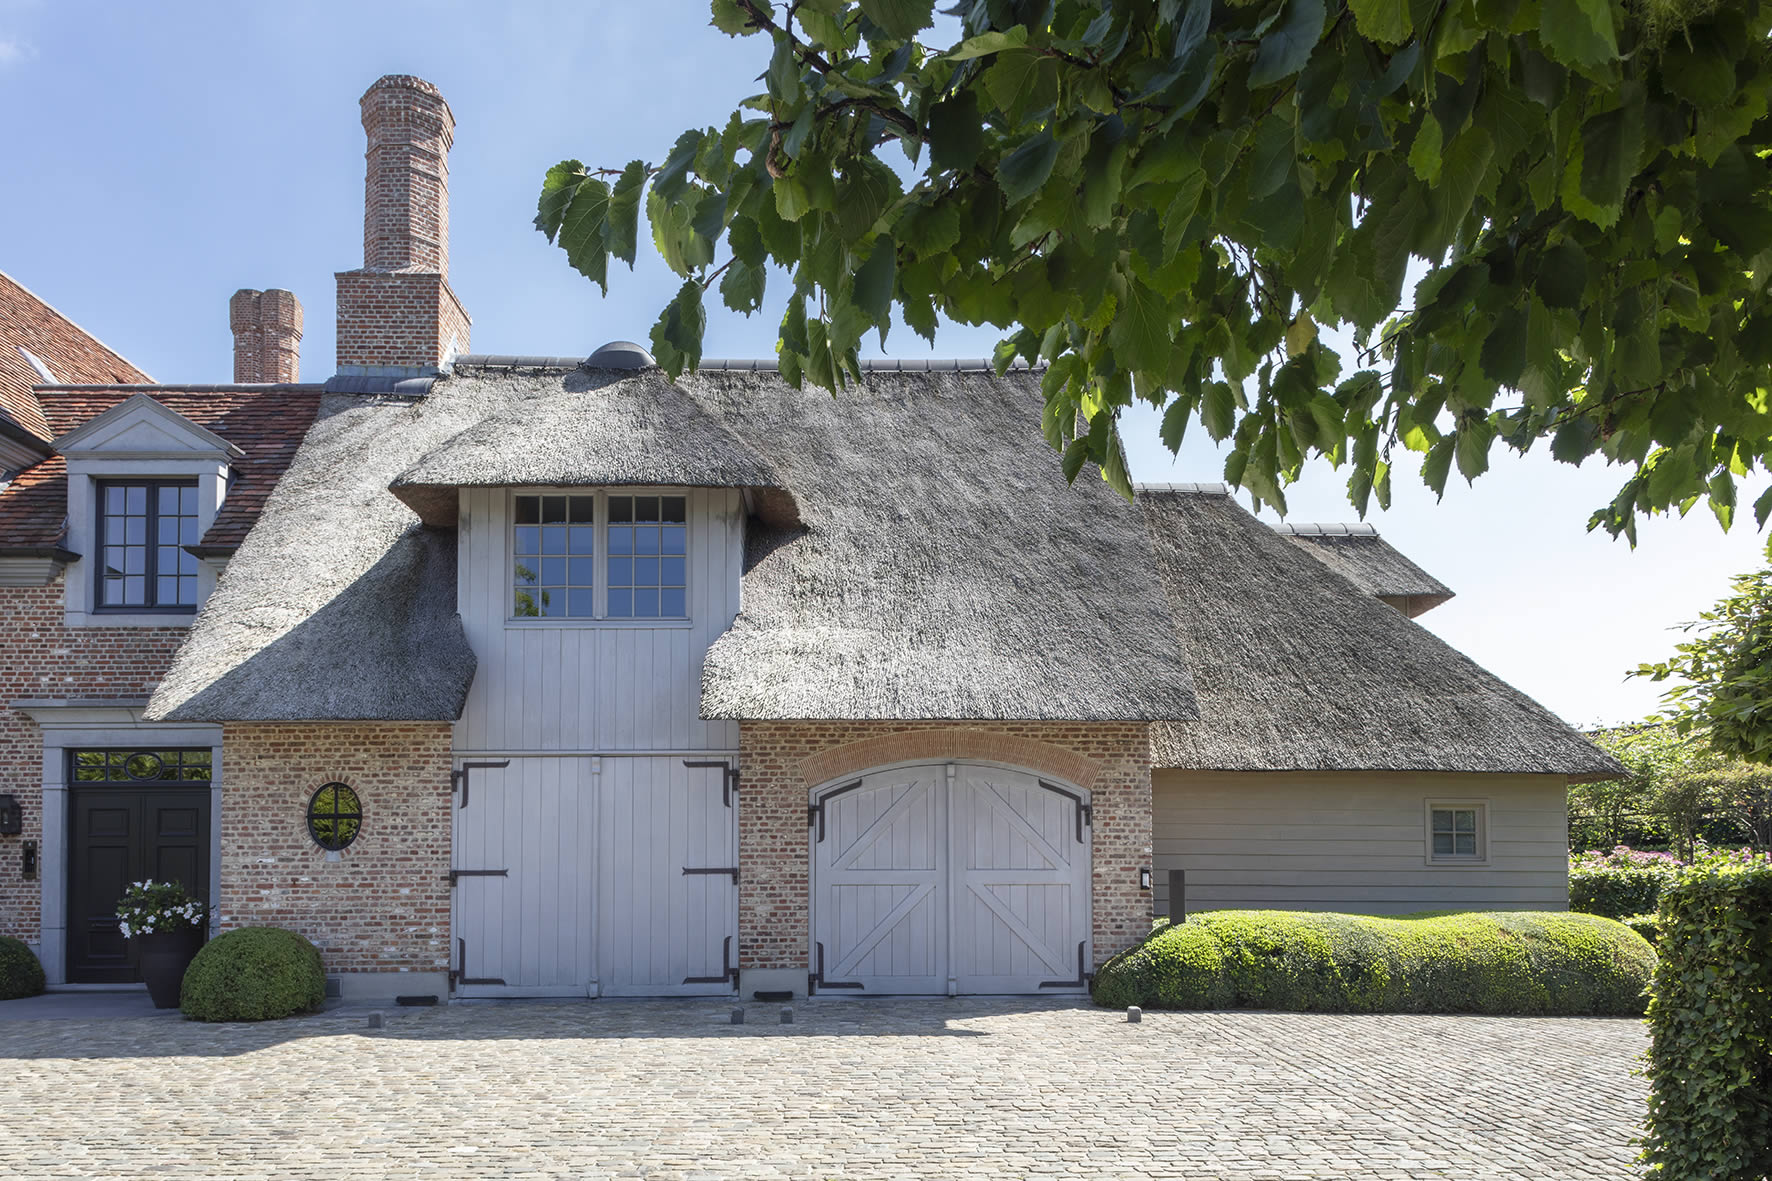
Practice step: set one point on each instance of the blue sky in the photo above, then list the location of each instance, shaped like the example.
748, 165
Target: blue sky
159, 156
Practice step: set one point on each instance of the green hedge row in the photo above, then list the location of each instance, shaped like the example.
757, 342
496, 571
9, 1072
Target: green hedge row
20, 973
1618, 891
253, 974
1710, 1027
1492, 962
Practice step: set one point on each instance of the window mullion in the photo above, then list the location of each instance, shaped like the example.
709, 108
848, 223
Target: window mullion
599, 555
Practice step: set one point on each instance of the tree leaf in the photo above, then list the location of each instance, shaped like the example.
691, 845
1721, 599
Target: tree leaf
1026, 168
1383, 20
1578, 33
676, 338
1141, 332
732, 20
558, 188
1283, 52
900, 19
742, 286
583, 231
1022, 83
622, 230
1611, 147
987, 43
1424, 153
956, 134
874, 281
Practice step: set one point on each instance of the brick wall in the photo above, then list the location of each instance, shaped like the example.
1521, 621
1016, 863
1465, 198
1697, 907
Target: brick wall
405, 320
42, 658
782, 761
384, 905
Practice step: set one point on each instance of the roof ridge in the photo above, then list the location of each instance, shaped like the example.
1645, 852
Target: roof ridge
75, 324
484, 361
286, 387
1188, 489
1326, 529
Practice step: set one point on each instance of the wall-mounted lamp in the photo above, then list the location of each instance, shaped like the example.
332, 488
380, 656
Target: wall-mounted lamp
1144, 878
28, 861
12, 817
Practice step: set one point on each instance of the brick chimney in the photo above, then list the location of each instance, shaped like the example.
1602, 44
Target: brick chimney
267, 336
397, 315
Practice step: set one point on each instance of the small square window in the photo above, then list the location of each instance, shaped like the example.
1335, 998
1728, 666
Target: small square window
1456, 831
553, 550
145, 527
647, 562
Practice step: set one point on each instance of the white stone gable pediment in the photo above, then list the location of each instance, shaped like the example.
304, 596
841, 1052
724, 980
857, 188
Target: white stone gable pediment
141, 427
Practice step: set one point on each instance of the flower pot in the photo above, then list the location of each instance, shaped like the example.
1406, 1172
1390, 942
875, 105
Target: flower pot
163, 957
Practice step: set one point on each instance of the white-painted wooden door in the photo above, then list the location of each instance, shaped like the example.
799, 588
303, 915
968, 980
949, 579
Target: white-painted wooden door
570, 878
951, 878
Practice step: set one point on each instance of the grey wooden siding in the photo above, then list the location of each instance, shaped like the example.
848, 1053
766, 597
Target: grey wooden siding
602, 688
1355, 842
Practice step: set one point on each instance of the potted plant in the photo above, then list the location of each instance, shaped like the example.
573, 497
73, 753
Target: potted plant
164, 926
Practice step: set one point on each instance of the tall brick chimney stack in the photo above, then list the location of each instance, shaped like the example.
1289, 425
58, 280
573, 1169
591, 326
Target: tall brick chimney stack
397, 315
267, 336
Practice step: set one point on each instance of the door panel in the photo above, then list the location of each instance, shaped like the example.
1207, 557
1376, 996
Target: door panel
878, 858
594, 898
118, 836
929, 882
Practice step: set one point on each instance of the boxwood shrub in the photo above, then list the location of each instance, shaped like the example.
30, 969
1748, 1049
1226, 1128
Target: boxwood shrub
20, 973
253, 974
1492, 962
1710, 1027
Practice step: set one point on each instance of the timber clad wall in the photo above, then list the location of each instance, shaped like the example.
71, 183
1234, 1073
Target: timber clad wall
777, 757
39, 658
1355, 841
384, 906
613, 687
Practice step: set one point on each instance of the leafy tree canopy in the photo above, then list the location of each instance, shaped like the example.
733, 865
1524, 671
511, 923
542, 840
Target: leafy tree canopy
1725, 672
1166, 200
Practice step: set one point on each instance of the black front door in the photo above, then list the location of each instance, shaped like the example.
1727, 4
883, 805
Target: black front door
133, 815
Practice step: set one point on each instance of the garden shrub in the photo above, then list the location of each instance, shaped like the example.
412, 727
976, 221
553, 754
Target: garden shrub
1620, 883
20, 973
1646, 925
1498, 962
1710, 1026
253, 974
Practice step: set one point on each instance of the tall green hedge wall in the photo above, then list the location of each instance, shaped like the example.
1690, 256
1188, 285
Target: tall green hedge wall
1710, 1027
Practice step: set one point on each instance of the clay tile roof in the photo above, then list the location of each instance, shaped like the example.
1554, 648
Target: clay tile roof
267, 424
71, 353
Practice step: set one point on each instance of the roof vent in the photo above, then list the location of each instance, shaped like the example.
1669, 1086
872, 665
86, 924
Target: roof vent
620, 354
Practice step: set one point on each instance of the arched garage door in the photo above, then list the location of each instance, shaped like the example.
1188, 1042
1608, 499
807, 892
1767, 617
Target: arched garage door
950, 878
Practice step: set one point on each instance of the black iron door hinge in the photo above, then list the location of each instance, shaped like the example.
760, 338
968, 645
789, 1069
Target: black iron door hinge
1083, 974
476, 873
460, 975
701, 870
729, 778
1085, 810
459, 778
815, 812
816, 980
728, 969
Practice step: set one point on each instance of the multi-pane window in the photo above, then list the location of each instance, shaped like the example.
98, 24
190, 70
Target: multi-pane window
648, 545
143, 529
1456, 833
140, 766
554, 572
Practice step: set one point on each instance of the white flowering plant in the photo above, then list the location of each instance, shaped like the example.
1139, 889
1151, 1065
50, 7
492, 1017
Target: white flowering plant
148, 907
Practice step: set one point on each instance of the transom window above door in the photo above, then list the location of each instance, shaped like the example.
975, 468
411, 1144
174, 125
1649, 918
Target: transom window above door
144, 528
598, 556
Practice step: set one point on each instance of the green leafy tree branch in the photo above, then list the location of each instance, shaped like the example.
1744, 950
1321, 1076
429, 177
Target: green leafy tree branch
1167, 201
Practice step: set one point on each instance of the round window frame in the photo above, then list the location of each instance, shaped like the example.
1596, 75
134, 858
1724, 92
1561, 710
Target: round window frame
336, 816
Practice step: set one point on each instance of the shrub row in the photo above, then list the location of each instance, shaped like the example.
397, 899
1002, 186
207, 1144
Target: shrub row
1493, 962
20, 973
1710, 1027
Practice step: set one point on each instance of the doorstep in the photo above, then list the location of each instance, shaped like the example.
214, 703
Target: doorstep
85, 1003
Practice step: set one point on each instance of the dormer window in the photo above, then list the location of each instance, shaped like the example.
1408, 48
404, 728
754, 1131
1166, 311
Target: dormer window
144, 527
598, 556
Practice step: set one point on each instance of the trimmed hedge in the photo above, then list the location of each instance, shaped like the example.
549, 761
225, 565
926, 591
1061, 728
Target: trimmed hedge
1646, 925
1618, 891
253, 974
1491, 962
1710, 1027
20, 973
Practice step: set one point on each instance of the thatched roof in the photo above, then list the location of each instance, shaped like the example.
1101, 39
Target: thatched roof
936, 564
1360, 555
340, 603
944, 568
586, 427
1298, 668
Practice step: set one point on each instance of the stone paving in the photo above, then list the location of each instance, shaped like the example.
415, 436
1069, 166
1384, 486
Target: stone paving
853, 1089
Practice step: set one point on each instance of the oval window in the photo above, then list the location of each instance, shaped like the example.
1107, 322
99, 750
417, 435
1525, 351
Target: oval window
334, 816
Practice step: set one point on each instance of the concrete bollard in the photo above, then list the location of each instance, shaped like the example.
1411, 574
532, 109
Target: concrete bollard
1134, 1014
738, 1016
375, 1021
787, 1016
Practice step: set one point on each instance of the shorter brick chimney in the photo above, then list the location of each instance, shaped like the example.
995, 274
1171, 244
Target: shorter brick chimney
396, 314
267, 336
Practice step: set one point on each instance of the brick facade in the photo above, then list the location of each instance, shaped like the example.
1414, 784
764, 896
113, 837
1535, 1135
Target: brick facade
383, 906
43, 658
782, 761
403, 320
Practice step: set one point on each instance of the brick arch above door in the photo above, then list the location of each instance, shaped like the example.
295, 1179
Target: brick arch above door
949, 743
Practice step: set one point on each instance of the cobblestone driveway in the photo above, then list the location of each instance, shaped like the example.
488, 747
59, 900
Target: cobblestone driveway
853, 1089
